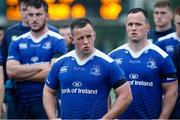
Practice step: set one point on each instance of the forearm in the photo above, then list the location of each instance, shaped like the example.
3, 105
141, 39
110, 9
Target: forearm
121, 103
169, 99
39, 77
21, 72
50, 104
1, 90
1, 100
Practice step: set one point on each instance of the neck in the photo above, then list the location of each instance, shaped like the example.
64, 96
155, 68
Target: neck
163, 28
138, 46
84, 56
39, 33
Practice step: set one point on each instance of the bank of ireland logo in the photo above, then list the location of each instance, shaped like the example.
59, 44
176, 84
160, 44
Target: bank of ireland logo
63, 69
134, 76
95, 70
77, 84
151, 64
47, 45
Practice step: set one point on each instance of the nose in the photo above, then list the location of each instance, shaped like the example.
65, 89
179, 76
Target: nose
85, 41
133, 27
34, 18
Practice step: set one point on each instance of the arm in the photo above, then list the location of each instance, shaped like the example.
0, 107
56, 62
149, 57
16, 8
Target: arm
124, 98
50, 102
19, 71
40, 76
169, 99
1, 90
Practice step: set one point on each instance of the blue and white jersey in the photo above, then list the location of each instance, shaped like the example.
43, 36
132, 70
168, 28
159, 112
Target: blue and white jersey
168, 43
84, 85
28, 50
145, 71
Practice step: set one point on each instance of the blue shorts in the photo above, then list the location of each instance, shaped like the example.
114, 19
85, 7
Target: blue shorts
23, 111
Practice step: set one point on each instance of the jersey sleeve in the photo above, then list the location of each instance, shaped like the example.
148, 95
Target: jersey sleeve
13, 52
52, 80
116, 75
168, 71
60, 48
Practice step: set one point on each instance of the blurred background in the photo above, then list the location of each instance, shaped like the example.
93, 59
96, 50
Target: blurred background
108, 16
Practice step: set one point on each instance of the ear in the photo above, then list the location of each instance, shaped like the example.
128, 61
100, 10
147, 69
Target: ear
148, 27
47, 16
71, 38
94, 35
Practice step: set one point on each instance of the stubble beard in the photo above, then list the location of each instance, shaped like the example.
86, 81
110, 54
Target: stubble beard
40, 28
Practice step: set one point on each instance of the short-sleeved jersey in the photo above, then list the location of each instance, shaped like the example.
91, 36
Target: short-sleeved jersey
168, 43
145, 71
12, 33
84, 85
154, 35
27, 50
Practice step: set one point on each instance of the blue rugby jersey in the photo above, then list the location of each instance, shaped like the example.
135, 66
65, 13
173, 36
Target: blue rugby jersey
168, 43
12, 33
145, 71
27, 50
153, 35
84, 85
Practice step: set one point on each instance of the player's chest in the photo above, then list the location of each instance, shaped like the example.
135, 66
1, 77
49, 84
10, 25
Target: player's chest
142, 63
89, 73
28, 48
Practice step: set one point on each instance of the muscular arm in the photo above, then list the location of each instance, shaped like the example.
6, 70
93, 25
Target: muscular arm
124, 98
1, 90
169, 99
18, 71
50, 102
40, 76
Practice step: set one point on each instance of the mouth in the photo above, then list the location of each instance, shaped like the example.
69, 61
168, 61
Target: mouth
34, 24
134, 34
86, 48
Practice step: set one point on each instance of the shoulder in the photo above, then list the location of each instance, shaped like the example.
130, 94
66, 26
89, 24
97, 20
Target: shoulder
23, 36
53, 28
117, 50
158, 51
65, 56
103, 56
171, 35
55, 35
13, 27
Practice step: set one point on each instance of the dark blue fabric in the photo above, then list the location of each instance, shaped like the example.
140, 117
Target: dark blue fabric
31, 111
153, 35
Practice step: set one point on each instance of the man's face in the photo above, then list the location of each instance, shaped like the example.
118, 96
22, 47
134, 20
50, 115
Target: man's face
177, 24
83, 39
136, 27
162, 16
37, 18
66, 33
23, 11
